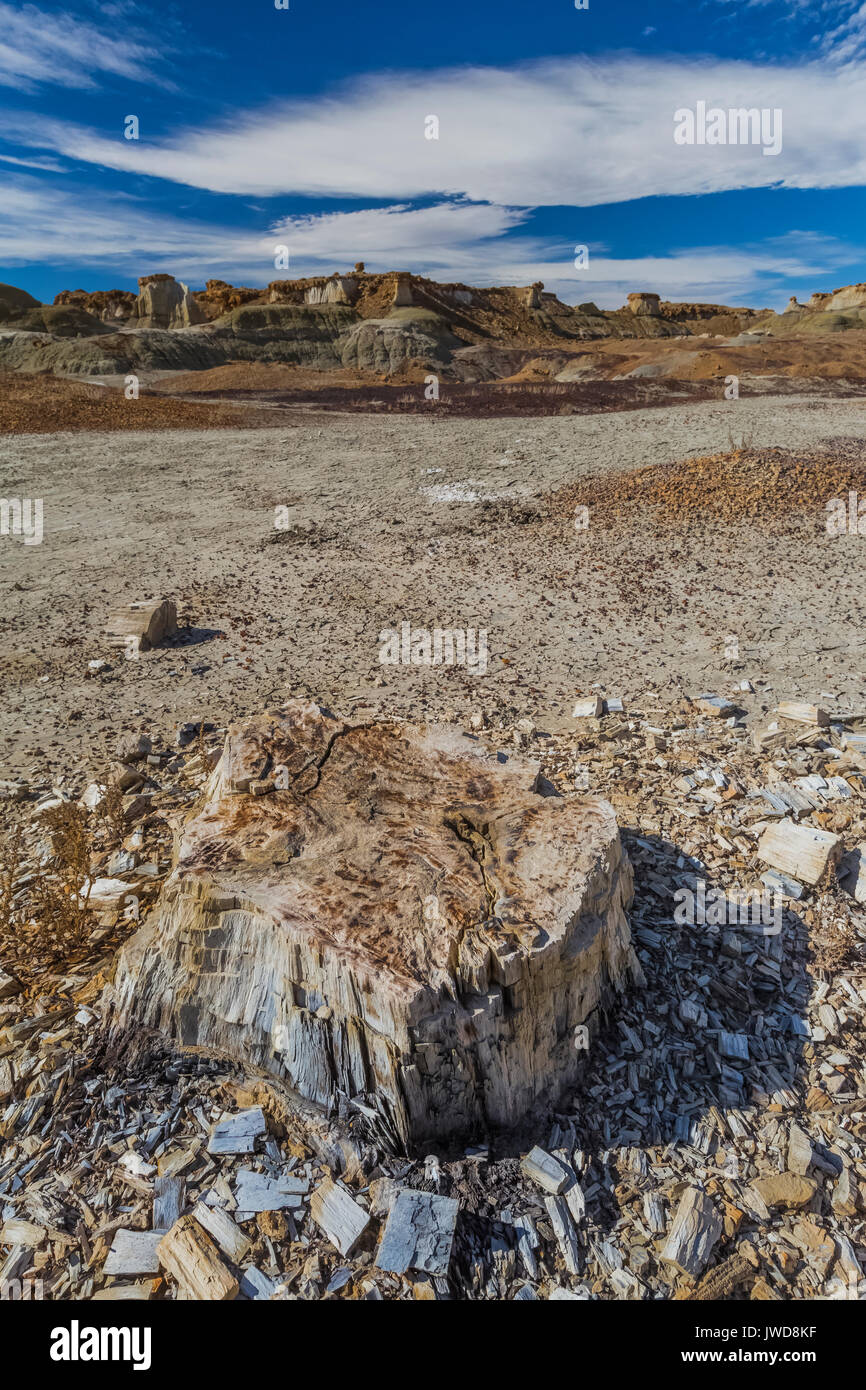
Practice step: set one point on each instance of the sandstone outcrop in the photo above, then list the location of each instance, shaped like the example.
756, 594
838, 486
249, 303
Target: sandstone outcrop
219, 297
310, 335
390, 913
406, 336
674, 309
105, 353
644, 304
383, 322
339, 289
851, 297
164, 302
109, 306
402, 289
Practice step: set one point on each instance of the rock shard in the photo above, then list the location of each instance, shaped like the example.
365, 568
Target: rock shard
398, 916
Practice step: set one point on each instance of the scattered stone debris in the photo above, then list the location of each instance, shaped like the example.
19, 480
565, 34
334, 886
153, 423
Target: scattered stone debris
419, 1233
693, 1235
713, 1146
800, 851
189, 1254
335, 1211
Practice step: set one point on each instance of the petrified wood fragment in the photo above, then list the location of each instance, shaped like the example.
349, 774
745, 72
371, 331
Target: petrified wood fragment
388, 912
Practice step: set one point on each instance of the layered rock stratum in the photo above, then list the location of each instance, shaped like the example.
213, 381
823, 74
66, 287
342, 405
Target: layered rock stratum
384, 323
389, 913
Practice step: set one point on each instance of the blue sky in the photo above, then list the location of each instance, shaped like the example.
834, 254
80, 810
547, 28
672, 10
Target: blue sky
305, 127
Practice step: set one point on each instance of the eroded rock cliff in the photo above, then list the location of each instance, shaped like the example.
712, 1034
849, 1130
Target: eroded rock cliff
164, 302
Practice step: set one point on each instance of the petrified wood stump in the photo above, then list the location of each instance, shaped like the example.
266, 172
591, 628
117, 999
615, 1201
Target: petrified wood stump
387, 911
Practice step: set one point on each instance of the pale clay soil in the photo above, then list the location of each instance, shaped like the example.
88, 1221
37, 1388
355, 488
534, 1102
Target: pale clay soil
183, 514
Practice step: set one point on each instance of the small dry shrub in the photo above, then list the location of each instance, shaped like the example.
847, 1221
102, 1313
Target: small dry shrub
61, 905
110, 816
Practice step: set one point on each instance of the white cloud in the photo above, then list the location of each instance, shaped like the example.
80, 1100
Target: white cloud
761, 275
47, 164
848, 40
50, 47
42, 224
476, 244
569, 131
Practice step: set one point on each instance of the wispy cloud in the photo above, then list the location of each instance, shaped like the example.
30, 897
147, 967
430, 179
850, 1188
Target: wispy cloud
47, 164
847, 41
557, 132
758, 274
475, 243
59, 225
49, 47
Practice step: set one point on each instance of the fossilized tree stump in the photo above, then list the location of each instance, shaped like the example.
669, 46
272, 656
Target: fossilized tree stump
388, 911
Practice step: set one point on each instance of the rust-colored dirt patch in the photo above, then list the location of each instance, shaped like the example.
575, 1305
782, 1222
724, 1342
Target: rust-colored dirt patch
42, 404
750, 484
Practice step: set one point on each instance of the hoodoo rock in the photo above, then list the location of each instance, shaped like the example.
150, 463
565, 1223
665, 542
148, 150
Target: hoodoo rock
164, 302
389, 913
402, 289
645, 304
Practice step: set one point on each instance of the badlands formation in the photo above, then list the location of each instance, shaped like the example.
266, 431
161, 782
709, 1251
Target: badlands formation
490, 349
371, 321
326, 977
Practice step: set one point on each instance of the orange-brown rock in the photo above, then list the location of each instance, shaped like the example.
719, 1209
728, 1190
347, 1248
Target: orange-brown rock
109, 305
218, 297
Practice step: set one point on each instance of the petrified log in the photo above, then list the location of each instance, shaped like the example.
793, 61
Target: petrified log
141, 625
388, 912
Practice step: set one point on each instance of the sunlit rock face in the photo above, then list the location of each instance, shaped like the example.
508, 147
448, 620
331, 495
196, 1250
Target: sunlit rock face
164, 302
